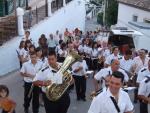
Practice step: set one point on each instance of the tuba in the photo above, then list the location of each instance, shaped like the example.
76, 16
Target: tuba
55, 91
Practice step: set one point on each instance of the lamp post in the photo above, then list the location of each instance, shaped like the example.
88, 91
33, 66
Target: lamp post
27, 4
104, 12
46, 8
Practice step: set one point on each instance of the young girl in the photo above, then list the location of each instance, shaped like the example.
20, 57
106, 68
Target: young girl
7, 105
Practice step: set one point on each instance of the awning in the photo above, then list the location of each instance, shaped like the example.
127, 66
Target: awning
126, 32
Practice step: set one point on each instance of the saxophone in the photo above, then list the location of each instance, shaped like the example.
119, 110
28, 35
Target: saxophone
55, 91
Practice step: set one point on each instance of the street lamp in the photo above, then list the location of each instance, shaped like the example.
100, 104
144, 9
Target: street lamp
27, 4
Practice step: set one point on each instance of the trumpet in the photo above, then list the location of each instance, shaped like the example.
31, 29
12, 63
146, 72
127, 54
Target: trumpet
95, 93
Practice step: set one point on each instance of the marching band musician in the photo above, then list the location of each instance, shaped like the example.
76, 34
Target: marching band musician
114, 55
94, 57
114, 99
143, 72
28, 71
47, 76
108, 71
126, 62
139, 62
144, 94
79, 73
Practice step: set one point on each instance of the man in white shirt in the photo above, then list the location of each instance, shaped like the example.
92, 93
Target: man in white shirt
46, 77
114, 55
52, 43
140, 61
79, 73
28, 71
143, 72
114, 99
144, 94
126, 62
102, 74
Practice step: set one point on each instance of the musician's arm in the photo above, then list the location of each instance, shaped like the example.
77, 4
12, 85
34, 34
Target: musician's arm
41, 83
41, 79
27, 75
142, 97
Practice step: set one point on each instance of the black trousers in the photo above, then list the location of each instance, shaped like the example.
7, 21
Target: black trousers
59, 106
34, 97
7, 111
143, 107
80, 83
89, 62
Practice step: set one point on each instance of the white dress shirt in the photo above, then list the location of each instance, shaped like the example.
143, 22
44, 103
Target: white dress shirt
139, 64
29, 68
76, 66
126, 64
24, 53
48, 74
108, 71
81, 48
142, 73
60, 52
103, 103
144, 88
95, 53
111, 57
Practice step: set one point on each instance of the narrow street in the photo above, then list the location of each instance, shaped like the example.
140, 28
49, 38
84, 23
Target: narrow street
15, 83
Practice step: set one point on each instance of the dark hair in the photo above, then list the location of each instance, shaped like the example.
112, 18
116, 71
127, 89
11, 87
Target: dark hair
26, 43
32, 46
27, 32
118, 74
5, 88
21, 44
128, 52
114, 48
33, 53
60, 41
38, 49
63, 45
51, 53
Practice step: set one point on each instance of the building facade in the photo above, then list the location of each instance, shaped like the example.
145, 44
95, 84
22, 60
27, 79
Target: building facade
135, 14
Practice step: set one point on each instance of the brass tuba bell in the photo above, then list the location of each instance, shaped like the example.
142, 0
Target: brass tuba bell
55, 91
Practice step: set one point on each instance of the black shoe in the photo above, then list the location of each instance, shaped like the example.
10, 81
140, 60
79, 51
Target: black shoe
78, 99
83, 99
26, 111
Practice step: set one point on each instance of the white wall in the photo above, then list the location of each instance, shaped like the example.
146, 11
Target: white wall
71, 16
125, 15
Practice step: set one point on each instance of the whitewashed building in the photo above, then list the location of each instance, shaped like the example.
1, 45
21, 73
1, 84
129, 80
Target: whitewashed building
71, 16
135, 14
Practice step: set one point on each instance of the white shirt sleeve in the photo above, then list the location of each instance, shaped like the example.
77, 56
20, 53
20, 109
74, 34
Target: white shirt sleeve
142, 88
100, 74
129, 105
23, 69
95, 106
40, 76
140, 76
108, 60
126, 77
60, 52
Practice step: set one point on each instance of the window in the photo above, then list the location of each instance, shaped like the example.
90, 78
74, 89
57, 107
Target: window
135, 18
147, 20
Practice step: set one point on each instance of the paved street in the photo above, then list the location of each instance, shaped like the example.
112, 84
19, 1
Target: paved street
15, 83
